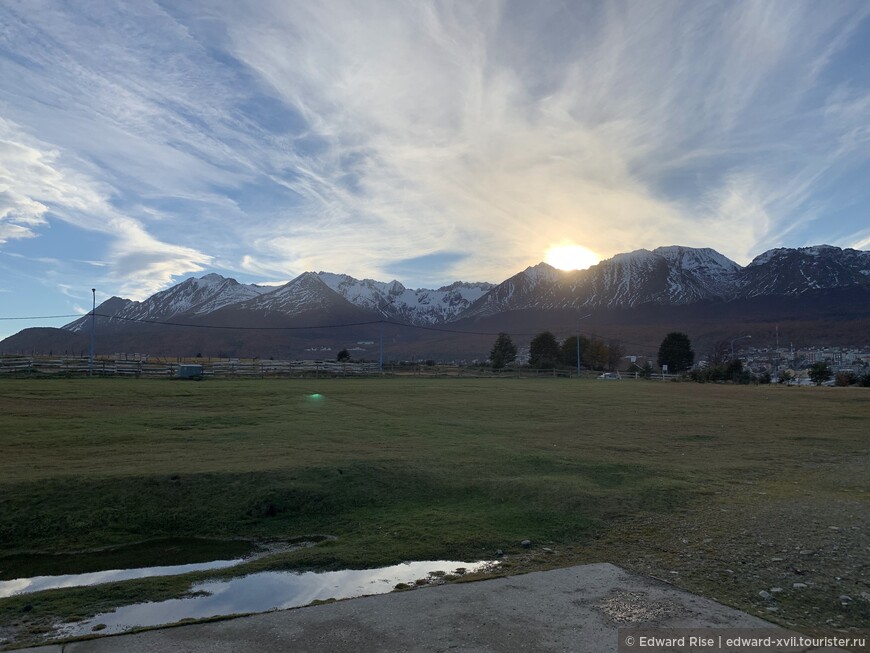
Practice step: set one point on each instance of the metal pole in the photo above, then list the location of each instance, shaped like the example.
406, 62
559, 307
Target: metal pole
381, 360
93, 323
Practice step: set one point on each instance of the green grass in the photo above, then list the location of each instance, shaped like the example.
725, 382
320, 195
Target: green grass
395, 469
456, 466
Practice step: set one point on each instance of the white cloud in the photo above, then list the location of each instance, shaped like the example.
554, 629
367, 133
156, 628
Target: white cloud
463, 132
146, 264
19, 213
859, 241
39, 184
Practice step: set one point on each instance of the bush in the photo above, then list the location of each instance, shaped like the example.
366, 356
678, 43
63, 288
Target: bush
819, 373
844, 379
732, 371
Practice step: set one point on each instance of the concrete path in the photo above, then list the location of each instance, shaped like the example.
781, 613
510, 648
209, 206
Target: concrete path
579, 609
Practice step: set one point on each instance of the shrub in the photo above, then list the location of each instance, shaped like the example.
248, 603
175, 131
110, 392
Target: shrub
844, 379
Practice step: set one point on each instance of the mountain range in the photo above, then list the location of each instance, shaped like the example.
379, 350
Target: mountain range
631, 294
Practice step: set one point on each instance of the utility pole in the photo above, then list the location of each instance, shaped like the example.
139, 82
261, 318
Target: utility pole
93, 326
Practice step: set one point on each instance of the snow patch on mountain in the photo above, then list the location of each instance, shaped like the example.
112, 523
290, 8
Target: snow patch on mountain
784, 271
304, 293
666, 275
393, 300
193, 296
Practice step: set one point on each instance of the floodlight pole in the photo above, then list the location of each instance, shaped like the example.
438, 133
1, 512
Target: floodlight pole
578, 342
93, 323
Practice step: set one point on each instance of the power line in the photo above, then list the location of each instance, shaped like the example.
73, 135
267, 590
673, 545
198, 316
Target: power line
238, 328
43, 317
303, 328
443, 330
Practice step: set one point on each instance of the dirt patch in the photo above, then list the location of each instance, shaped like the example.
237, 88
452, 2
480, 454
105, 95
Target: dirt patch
797, 562
795, 551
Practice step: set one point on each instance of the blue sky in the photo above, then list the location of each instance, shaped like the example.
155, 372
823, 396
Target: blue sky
142, 142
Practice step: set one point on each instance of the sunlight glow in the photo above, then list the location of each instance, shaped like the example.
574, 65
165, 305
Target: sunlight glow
571, 257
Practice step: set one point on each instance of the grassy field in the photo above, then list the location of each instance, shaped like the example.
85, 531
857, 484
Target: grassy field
681, 480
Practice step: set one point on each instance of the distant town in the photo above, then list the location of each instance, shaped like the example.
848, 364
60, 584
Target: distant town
797, 362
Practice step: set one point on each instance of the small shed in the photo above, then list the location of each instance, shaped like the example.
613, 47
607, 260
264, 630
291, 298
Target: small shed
189, 371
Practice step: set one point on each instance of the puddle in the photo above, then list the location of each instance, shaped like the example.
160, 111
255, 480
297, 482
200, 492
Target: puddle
152, 553
265, 591
18, 586
39, 583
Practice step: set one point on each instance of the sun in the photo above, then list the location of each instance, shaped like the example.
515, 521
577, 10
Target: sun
571, 257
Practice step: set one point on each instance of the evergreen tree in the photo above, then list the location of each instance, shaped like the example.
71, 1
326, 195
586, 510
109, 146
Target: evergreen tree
504, 351
343, 356
676, 352
544, 351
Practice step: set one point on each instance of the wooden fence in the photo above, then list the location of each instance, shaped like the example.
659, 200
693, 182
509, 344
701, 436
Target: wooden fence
232, 368
39, 366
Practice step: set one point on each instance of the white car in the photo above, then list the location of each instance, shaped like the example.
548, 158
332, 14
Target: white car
610, 376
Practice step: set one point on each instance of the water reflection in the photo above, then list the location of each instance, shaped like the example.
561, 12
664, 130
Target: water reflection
266, 591
39, 583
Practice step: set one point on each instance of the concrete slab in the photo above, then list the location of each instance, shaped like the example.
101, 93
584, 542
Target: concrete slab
578, 609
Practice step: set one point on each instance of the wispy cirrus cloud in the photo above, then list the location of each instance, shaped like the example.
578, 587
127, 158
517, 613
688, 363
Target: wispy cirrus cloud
269, 138
37, 183
510, 128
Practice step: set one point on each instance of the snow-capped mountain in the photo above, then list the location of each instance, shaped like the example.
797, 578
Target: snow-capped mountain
698, 273
796, 271
533, 287
666, 275
820, 293
393, 300
192, 296
307, 292
310, 293
672, 276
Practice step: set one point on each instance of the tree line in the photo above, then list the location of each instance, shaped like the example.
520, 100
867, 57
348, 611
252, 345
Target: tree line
546, 352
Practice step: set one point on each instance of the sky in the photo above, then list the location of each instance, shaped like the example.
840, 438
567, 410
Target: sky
144, 142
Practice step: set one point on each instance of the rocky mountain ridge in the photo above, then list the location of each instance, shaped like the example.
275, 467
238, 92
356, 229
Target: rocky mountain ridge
672, 275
